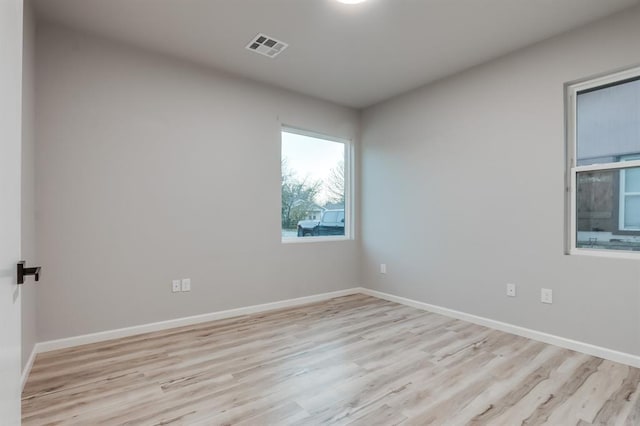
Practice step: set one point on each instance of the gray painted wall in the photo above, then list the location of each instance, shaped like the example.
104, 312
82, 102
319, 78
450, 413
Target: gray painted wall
28, 212
151, 169
462, 192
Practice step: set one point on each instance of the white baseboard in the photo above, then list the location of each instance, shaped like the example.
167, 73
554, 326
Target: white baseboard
27, 368
587, 348
621, 357
52, 345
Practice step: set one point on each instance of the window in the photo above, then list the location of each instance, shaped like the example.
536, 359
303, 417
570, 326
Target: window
315, 187
604, 165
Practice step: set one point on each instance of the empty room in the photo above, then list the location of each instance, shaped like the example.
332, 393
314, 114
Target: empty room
305, 212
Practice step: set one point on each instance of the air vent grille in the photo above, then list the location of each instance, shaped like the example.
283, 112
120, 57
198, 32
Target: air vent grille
267, 46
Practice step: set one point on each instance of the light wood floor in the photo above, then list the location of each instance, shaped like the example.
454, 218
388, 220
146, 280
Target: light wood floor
351, 360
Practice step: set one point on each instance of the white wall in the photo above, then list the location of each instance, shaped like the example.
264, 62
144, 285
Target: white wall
151, 169
28, 219
462, 192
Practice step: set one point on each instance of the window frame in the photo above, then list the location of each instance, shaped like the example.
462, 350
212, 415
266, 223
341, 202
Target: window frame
572, 90
349, 182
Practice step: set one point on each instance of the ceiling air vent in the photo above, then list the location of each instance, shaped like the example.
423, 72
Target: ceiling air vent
267, 46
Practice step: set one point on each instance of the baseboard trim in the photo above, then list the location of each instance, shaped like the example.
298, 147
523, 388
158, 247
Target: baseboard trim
27, 368
52, 345
586, 348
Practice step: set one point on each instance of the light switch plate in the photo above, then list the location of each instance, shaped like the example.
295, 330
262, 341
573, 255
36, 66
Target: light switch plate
546, 295
175, 286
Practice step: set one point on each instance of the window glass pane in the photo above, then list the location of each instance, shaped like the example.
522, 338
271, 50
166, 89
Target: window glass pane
632, 180
608, 123
632, 212
595, 201
313, 186
603, 212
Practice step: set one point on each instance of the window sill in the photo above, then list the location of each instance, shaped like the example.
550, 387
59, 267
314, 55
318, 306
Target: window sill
304, 240
606, 253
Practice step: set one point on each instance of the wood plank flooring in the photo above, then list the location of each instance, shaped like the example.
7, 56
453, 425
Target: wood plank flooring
354, 360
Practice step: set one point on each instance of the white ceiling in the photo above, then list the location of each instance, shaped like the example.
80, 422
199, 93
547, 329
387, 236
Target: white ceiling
355, 55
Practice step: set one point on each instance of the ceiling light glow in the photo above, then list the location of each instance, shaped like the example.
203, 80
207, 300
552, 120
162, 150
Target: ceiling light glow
352, 1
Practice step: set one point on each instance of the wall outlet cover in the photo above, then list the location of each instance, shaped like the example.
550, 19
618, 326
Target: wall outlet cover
186, 284
383, 268
546, 295
511, 290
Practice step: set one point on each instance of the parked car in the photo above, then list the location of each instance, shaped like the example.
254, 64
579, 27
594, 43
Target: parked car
331, 223
306, 227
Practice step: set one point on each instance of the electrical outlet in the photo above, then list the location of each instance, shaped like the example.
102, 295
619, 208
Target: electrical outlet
186, 284
546, 295
511, 290
176, 286
383, 268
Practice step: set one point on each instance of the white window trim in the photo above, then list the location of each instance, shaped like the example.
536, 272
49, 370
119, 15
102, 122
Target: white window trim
319, 239
349, 182
573, 169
